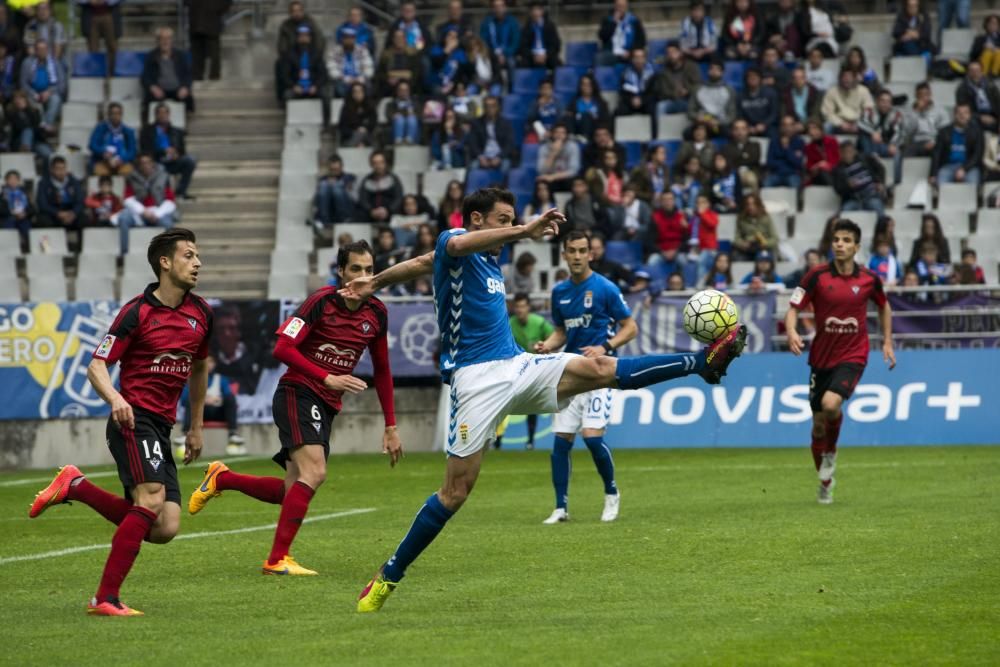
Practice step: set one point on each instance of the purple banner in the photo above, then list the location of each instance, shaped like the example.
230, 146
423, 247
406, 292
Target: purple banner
974, 327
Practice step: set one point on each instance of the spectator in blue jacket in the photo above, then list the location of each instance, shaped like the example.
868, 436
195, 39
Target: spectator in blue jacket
621, 32
502, 35
448, 143
786, 157
364, 36
112, 145
635, 96
43, 78
699, 38
758, 105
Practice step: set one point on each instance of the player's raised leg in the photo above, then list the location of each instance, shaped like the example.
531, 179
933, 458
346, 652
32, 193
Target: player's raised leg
219, 477
70, 484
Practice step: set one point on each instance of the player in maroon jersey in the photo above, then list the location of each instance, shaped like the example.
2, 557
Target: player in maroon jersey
839, 293
160, 338
321, 344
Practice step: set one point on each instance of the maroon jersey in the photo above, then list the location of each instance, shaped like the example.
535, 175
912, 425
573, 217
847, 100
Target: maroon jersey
155, 345
841, 306
332, 337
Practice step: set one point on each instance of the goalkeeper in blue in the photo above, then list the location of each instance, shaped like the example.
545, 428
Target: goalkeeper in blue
489, 376
591, 319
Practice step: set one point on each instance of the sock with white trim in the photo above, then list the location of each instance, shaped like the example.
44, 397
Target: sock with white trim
605, 464
638, 372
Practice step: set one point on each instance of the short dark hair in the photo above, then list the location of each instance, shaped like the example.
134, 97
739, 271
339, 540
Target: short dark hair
845, 225
162, 105
115, 105
11, 172
335, 157
164, 244
923, 85
524, 260
357, 247
521, 296
59, 159
483, 200
574, 235
101, 180
969, 252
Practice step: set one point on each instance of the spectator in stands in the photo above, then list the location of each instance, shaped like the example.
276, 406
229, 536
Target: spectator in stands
60, 199
819, 77
801, 100
402, 112
651, 177
449, 142
540, 42
763, 276
726, 189
544, 112
911, 279
882, 131
699, 38
611, 270
349, 63
455, 20
911, 33
699, 146
112, 145
812, 260
583, 212
104, 204
606, 185
387, 252
289, 29
463, 104
970, 260
785, 31
885, 226
844, 104
363, 34
166, 142
720, 276
755, 231
635, 95
166, 74
932, 234
358, 118
786, 157
380, 192
589, 110
425, 241
491, 140
334, 198
482, 69
883, 262
448, 62
704, 242
773, 72
675, 83
867, 76
743, 31
689, 184
822, 155
305, 74
44, 80
398, 62
205, 26
16, 210
99, 19
502, 35
981, 95
220, 406
817, 28
8, 74
744, 155
46, 28
859, 180
558, 159
26, 131
929, 269
450, 207
714, 102
958, 150
541, 201
636, 218
520, 276
406, 221
986, 47
603, 140
621, 32
149, 199
923, 121
668, 235
758, 105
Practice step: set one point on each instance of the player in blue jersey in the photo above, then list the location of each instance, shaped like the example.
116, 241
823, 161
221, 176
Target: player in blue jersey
591, 319
489, 375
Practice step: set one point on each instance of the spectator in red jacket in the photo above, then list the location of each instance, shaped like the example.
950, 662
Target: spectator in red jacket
704, 244
822, 155
669, 229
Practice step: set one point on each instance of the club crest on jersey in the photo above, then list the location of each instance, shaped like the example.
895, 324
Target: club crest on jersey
855, 289
366, 327
588, 299
104, 349
193, 322
318, 426
155, 463
463, 432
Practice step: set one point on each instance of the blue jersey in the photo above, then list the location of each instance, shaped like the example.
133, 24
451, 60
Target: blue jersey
589, 311
471, 308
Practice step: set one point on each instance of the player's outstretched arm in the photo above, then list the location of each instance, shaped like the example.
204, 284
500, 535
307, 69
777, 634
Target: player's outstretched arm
100, 379
198, 387
404, 272
888, 347
483, 240
555, 340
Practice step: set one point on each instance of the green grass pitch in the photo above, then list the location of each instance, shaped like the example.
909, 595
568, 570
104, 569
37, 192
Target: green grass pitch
721, 557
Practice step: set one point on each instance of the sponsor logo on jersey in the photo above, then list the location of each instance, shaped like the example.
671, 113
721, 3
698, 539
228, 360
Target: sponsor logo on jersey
838, 326
565, 301
797, 296
575, 322
293, 327
171, 362
588, 299
329, 353
104, 349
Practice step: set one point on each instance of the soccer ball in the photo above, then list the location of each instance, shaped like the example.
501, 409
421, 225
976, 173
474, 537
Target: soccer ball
710, 315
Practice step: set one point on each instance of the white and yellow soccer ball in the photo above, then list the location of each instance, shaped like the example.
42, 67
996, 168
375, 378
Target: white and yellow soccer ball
710, 315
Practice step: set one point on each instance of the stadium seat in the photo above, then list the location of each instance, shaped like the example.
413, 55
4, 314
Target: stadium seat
10, 244
100, 241
10, 291
95, 288
94, 65
382, 110
610, 98
304, 112
529, 155
48, 242
516, 106
408, 179
987, 221
733, 74
481, 178
902, 192
324, 258
299, 160
741, 269
956, 42
139, 238
129, 63
906, 219
809, 225
296, 187
866, 221
74, 139
820, 198
957, 197
117, 186
908, 69
8, 269
628, 253
777, 198
635, 127
290, 236
568, 78
86, 90
889, 165
874, 44
672, 126
953, 222
47, 288
581, 54
284, 286
124, 88
41, 265
133, 284
100, 265
411, 158
178, 113
727, 226
359, 231
541, 250
522, 179
435, 183
764, 143
289, 261
335, 108
633, 153
79, 114
944, 91
136, 264
608, 78
356, 160
562, 198
656, 48
293, 211
24, 163
132, 113
303, 136
526, 81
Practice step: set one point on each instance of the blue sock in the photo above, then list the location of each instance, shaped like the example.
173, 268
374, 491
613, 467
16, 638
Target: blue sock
560, 469
637, 372
428, 523
605, 464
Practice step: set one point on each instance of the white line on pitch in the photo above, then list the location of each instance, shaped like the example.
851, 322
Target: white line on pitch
187, 536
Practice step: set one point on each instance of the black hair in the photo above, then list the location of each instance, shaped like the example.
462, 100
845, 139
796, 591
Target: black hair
115, 105
845, 225
335, 157
356, 247
574, 235
12, 172
521, 296
101, 180
483, 200
164, 244
59, 159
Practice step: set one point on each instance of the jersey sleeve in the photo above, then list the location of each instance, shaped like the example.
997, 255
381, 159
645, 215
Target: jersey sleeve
121, 333
878, 292
295, 329
441, 249
803, 294
617, 306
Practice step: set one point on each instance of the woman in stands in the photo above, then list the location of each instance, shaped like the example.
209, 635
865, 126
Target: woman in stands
589, 109
357, 118
931, 232
450, 208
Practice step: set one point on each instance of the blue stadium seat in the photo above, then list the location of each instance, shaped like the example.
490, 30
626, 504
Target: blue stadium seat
566, 98
129, 63
608, 78
567, 78
673, 147
704, 71
633, 153
529, 155
90, 64
522, 178
526, 81
518, 127
658, 272
516, 106
581, 54
628, 253
481, 178
733, 74
655, 48
521, 199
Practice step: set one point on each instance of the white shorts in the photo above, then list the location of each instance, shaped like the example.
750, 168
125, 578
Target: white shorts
483, 394
590, 410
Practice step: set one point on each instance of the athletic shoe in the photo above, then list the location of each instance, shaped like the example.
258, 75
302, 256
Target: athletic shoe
233, 449
611, 506
236, 439
56, 492
824, 496
721, 353
207, 489
558, 515
286, 566
827, 466
110, 607
375, 593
